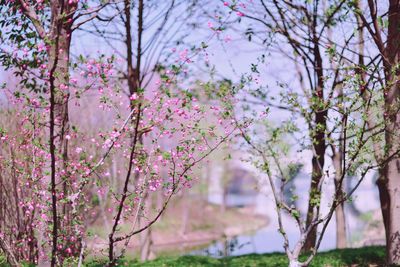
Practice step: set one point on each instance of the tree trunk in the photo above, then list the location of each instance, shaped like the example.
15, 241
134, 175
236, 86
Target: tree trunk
294, 263
146, 240
11, 259
224, 198
61, 99
341, 240
185, 213
390, 186
389, 173
393, 216
316, 176
59, 94
389, 191
317, 135
146, 244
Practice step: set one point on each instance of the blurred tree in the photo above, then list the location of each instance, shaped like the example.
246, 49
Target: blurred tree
381, 22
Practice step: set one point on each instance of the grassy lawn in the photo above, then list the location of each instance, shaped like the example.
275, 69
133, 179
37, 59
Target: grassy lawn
368, 256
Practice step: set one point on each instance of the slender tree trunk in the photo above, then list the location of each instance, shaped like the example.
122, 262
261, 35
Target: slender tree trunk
61, 98
185, 214
124, 195
319, 147
146, 236
224, 198
226, 176
389, 182
313, 203
393, 212
145, 249
341, 240
390, 57
337, 155
59, 77
53, 189
389, 186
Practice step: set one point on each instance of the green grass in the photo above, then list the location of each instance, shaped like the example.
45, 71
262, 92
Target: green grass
335, 258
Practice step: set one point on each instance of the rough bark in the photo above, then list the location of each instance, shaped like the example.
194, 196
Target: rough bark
11, 259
